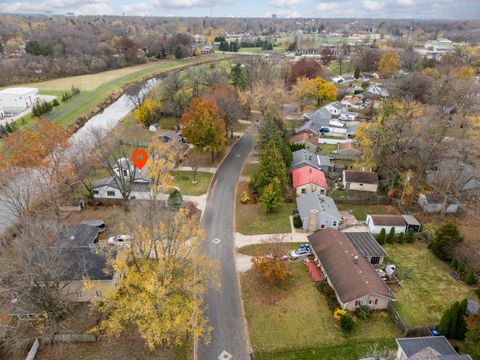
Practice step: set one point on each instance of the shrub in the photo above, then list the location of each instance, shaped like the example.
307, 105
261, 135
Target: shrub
401, 238
175, 200
55, 102
391, 236
454, 263
245, 198
461, 267
363, 312
338, 313
381, 236
410, 236
347, 323
297, 222
470, 278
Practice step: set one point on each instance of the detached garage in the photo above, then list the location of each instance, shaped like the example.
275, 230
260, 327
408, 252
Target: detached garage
378, 222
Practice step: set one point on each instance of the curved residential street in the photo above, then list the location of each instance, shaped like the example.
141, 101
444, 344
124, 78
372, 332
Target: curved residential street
229, 339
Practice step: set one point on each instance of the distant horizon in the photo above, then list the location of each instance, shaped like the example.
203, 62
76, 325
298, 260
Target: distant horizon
464, 10
69, 14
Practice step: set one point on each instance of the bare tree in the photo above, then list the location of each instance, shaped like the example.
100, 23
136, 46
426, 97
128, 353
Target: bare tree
136, 94
34, 270
114, 156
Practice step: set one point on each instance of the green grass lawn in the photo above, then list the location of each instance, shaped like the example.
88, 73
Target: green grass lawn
294, 319
81, 104
183, 179
249, 169
263, 249
168, 123
326, 149
251, 219
427, 288
361, 211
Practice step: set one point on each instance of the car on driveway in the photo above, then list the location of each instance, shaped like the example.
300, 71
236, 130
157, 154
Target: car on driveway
301, 253
120, 240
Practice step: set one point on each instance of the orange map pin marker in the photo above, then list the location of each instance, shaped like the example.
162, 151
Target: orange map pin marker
139, 158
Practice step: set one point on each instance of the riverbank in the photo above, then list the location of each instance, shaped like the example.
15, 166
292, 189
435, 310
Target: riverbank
75, 112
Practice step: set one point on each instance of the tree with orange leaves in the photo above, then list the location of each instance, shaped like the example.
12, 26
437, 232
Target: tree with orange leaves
38, 155
203, 127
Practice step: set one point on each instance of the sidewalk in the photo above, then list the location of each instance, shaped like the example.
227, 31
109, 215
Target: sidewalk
212, 170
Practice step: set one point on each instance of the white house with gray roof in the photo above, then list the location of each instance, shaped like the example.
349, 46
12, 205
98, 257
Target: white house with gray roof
336, 108
427, 348
318, 212
304, 157
315, 121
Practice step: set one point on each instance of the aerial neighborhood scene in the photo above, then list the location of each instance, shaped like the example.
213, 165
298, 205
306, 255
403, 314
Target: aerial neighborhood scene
226, 180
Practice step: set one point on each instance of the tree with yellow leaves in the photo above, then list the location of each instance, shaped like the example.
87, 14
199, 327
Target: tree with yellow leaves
389, 64
145, 114
326, 91
304, 90
165, 274
465, 72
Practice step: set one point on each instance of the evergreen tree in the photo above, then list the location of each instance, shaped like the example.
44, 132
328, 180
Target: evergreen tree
470, 278
461, 267
391, 236
454, 263
410, 236
446, 238
1, 48
9, 128
453, 323
401, 238
175, 200
356, 74
271, 166
178, 53
461, 327
381, 236
238, 77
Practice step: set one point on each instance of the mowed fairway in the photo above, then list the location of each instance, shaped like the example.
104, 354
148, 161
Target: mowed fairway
427, 288
296, 318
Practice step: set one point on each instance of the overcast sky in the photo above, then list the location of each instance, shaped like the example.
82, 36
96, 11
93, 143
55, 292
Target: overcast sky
421, 9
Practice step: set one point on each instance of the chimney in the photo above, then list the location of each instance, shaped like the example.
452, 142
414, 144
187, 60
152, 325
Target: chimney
312, 224
355, 259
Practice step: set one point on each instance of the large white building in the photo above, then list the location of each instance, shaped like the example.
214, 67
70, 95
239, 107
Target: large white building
16, 100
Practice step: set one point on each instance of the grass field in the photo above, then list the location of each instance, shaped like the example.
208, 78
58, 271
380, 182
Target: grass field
105, 85
183, 179
249, 169
251, 219
361, 211
264, 249
294, 319
427, 288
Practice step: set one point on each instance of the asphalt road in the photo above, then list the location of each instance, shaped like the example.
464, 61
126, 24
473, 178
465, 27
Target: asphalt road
224, 309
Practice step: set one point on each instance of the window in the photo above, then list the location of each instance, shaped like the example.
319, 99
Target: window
125, 173
375, 260
111, 193
304, 191
96, 192
376, 301
369, 302
358, 303
334, 223
360, 184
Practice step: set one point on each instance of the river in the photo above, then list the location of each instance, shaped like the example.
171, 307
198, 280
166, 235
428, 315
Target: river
106, 121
